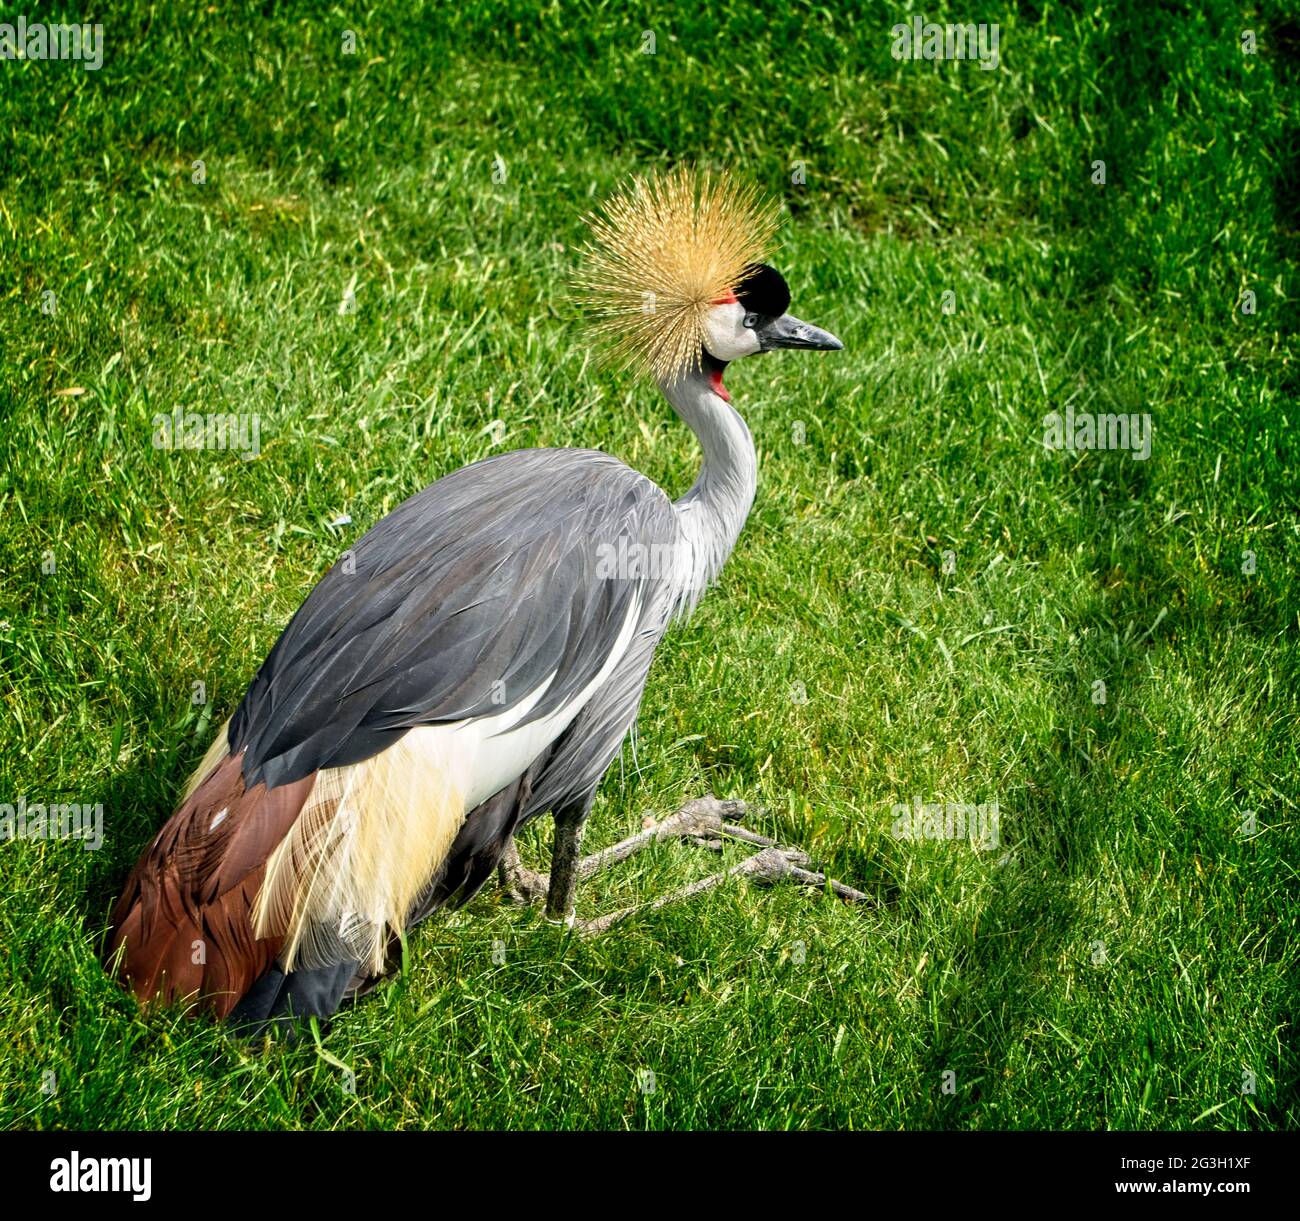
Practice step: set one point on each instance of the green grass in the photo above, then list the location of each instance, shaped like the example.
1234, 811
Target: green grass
1122, 959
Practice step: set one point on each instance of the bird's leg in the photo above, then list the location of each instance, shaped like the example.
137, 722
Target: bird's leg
565, 863
701, 820
705, 821
522, 885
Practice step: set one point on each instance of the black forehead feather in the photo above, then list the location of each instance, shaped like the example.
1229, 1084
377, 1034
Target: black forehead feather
764, 291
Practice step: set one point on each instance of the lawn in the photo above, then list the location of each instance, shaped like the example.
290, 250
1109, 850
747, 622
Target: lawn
369, 249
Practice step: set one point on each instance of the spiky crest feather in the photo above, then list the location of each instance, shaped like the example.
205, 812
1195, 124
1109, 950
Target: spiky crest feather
661, 252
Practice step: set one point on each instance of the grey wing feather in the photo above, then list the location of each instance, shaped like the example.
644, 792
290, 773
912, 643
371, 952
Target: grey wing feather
581, 757
464, 600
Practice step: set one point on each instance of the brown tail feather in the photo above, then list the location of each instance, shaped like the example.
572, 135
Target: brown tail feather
191, 893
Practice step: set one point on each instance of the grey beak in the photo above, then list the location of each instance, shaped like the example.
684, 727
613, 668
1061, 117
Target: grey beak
788, 332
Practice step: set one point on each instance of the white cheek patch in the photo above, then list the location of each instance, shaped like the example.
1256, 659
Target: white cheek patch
725, 334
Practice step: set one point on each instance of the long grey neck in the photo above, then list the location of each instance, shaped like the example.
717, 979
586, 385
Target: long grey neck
712, 514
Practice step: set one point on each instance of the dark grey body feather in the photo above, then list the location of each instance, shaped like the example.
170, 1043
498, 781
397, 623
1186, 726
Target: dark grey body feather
462, 602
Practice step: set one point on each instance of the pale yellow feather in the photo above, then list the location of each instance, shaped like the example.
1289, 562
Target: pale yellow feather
369, 840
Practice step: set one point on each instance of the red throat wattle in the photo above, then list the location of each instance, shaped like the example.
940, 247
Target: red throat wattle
715, 382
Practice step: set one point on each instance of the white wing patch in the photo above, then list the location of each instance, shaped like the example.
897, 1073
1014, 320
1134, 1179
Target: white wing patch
498, 748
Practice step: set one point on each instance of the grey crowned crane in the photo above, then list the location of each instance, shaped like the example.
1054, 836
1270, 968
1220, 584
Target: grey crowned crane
479, 662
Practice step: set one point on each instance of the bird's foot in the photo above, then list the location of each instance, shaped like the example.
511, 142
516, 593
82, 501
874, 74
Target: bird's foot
518, 884
705, 821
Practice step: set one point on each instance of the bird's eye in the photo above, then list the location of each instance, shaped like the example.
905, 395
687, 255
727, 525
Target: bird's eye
751, 321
